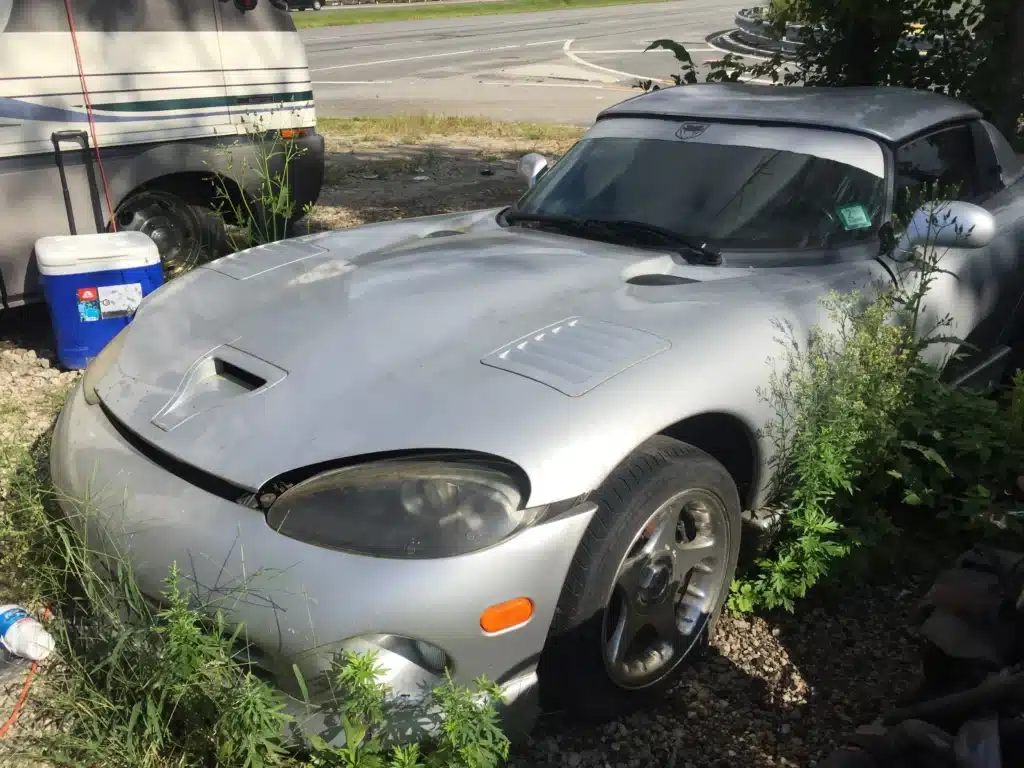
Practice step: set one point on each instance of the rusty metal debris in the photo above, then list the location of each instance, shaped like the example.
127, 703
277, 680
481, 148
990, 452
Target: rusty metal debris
968, 710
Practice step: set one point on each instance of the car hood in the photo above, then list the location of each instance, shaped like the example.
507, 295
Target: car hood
400, 337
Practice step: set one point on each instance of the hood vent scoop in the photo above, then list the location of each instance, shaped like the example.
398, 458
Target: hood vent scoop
660, 279
216, 379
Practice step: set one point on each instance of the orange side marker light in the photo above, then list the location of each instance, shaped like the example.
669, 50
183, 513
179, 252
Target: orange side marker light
507, 615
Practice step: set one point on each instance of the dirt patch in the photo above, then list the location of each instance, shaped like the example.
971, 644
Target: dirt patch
421, 168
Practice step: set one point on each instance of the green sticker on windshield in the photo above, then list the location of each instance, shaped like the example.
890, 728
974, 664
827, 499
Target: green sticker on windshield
854, 216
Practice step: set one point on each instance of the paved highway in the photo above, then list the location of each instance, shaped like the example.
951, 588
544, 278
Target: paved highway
556, 66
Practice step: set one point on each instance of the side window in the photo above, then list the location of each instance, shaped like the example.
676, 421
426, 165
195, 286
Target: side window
110, 15
941, 164
1011, 165
267, 16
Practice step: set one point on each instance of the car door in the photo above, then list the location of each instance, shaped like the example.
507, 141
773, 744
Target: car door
978, 289
1004, 329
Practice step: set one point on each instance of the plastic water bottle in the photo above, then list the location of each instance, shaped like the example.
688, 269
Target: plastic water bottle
22, 635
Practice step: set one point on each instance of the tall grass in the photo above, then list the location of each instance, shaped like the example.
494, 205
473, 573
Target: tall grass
138, 682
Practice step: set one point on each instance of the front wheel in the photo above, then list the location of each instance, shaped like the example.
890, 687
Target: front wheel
317, 5
648, 580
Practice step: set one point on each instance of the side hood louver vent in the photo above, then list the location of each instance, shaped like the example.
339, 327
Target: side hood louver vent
576, 354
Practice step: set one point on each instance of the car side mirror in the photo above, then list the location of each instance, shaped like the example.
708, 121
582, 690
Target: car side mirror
531, 166
946, 224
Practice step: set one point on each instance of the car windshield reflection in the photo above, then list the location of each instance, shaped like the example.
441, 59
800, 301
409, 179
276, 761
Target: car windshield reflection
735, 196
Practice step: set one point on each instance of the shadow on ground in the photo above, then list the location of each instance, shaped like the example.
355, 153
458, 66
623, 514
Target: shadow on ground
775, 692
26, 328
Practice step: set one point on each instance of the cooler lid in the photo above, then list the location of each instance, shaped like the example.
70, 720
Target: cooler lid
80, 254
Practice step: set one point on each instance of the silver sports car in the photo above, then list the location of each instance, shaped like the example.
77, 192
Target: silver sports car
522, 442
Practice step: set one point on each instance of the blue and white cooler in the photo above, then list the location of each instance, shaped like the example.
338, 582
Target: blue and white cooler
93, 284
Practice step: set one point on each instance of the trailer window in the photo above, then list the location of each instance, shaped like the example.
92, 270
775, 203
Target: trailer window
111, 15
268, 16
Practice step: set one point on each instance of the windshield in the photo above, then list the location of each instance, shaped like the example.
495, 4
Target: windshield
736, 187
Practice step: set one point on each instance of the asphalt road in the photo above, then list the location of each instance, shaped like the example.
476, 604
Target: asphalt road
555, 66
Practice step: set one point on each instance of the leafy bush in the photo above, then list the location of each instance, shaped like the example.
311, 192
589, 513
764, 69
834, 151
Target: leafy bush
961, 49
134, 684
782, 12
874, 445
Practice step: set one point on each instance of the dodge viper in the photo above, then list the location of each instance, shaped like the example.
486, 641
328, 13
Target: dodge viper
523, 441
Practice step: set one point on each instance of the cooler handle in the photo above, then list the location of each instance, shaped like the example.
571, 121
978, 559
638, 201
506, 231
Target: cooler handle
82, 138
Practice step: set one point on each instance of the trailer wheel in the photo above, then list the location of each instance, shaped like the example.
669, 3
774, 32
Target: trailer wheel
185, 234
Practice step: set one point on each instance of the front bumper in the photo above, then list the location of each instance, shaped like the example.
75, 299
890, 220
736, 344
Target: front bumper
301, 604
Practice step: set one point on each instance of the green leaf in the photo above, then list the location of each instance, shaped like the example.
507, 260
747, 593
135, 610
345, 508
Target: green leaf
301, 683
678, 50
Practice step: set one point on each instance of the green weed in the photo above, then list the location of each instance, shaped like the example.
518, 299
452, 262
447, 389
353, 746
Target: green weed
138, 682
875, 449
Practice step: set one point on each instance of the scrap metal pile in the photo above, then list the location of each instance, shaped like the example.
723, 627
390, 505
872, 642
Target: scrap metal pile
968, 710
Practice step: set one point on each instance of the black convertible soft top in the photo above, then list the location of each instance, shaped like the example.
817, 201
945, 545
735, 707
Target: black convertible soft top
889, 114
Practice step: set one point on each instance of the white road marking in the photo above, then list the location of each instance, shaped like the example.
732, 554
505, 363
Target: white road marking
642, 50
396, 61
355, 47
516, 84
433, 56
567, 50
506, 83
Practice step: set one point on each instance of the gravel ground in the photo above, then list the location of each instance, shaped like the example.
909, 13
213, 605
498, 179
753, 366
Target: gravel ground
30, 381
770, 693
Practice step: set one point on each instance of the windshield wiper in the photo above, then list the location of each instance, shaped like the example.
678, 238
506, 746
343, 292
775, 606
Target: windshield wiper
705, 253
565, 222
622, 228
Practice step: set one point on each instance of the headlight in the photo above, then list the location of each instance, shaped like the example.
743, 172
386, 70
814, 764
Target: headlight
403, 509
98, 367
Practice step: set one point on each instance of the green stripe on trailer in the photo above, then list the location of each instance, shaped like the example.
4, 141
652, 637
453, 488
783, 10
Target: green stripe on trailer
205, 102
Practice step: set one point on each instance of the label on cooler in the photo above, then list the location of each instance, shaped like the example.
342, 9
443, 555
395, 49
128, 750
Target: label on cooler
119, 300
88, 305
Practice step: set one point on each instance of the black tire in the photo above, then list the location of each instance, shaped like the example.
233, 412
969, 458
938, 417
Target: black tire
185, 234
317, 5
574, 672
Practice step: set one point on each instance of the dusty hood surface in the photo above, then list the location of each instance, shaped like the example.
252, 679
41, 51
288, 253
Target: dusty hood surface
380, 339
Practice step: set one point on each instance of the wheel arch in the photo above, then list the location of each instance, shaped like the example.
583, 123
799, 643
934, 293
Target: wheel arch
730, 440
192, 187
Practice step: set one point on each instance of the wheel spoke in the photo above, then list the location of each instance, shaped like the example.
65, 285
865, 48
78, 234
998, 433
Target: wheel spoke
631, 572
663, 535
663, 620
626, 627
690, 555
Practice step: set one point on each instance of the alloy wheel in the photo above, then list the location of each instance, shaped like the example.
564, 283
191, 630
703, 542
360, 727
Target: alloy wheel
665, 589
